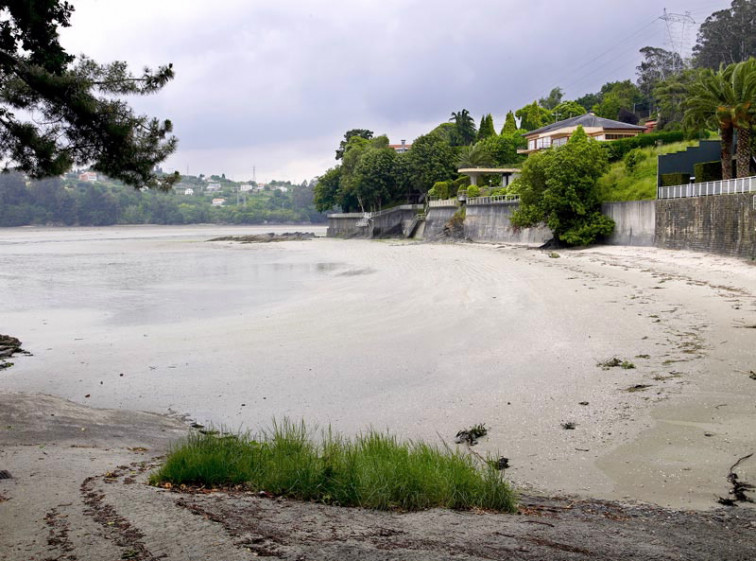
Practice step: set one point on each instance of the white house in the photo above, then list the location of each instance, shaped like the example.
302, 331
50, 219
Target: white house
213, 186
188, 191
559, 133
244, 187
219, 202
88, 176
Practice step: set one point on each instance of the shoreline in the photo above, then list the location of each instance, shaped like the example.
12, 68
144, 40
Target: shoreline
79, 491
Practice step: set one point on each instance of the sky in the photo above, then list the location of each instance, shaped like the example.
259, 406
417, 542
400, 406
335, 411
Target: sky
266, 90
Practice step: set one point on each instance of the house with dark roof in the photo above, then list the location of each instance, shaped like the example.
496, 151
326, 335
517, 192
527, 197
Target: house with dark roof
558, 133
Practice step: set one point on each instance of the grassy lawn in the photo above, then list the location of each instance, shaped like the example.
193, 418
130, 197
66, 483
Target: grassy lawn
373, 470
634, 177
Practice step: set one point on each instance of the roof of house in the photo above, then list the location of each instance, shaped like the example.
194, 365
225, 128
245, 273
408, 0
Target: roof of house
588, 120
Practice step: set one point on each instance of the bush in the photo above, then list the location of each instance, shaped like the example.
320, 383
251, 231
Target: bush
473, 191
633, 158
616, 149
671, 179
374, 470
440, 189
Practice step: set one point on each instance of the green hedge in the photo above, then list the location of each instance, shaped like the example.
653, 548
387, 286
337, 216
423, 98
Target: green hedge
708, 171
670, 179
711, 171
616, 149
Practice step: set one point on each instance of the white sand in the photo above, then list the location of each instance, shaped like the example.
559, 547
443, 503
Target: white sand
427, 339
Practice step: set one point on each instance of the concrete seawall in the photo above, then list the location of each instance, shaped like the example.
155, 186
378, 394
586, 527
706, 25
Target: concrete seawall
491, 223
634, 222
382, 224
435, 220
724, 224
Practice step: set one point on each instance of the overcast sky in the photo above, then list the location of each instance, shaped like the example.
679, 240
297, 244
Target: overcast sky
276, 84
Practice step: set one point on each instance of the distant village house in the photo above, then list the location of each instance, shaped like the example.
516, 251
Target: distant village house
89, 176
401, 148
219, 202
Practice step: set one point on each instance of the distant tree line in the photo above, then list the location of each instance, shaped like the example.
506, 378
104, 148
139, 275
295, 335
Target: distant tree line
55, 201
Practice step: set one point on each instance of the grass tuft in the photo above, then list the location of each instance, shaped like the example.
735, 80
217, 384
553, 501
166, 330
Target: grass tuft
373, 470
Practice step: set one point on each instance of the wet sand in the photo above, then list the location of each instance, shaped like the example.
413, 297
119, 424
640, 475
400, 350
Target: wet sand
420, 339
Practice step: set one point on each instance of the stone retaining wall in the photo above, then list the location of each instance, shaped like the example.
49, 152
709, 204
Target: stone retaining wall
724, 224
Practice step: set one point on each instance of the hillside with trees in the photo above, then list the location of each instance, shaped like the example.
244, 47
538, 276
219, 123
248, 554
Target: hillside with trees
69, 201
712, 94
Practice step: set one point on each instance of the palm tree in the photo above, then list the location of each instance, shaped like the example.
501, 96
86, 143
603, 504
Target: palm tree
476, 156
726, 99
706, 106
465, 132
744, 111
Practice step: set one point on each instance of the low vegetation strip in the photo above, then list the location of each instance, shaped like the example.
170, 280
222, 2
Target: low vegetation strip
373, 470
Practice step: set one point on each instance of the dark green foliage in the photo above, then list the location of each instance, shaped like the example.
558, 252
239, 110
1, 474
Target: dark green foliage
376, 178
533, 117
503, 148
727, 36
708, 171
464, 128
71, 203
670, 179
362, 133
616, 96
327, 195
616, 149
658, 65
476, 156
559, 187
589, 100
633, 158
510, 125
430, 159
473, 191
440, 190
486, 129
552, 100
79, 118
670, 95
568, 109
374, 470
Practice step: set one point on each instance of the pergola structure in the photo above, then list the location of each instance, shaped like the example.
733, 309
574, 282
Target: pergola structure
507, 174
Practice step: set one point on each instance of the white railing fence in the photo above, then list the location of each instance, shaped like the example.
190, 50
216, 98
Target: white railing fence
728, 187
496, 200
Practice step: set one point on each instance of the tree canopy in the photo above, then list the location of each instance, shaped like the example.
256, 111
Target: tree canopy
486, 129
57, 111
552, 100
559, 187
727, 36
464, 132
510, 124
726, 99
534, 117
362, 133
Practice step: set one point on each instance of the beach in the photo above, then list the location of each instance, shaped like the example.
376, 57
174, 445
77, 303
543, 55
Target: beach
419, 339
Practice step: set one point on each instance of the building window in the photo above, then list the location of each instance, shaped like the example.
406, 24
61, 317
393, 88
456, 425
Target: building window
531, 145
544, 142
559, 141
618, 136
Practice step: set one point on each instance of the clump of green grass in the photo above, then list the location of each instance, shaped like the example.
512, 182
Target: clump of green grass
373, 470
614, 362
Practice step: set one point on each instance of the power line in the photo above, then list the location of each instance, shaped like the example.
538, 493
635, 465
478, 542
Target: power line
615, 46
